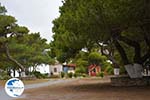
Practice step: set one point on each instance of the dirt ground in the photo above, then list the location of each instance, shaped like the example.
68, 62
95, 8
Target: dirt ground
88, 89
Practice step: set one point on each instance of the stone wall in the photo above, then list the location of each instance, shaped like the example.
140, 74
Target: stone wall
127, 81
28, 78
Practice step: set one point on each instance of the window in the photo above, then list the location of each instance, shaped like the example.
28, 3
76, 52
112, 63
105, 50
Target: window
55, 69
94, 70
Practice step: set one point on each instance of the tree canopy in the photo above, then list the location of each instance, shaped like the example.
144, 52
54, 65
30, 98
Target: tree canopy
116, 25
105, 21
20, 49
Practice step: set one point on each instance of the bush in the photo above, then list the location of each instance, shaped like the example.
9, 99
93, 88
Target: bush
70, 75
122, 70
80, 69
75, 75
101, 74
39, 75
62, 74
84, 75
45, 75
80, 75
4, 76
109, 70
96, 58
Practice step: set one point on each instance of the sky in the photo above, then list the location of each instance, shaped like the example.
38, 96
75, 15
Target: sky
37, 15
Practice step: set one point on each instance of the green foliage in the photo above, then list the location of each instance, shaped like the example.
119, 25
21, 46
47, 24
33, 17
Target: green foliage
81, 62
80, 75
109, 70
6, 21
75, 75
39, 75
25, 49
29, 50
83, 24
2, 10
70, 75
105, 64
62, 74
4, 76
101, 74
122, 70
82, 55
81, 70
96, 58
81, 66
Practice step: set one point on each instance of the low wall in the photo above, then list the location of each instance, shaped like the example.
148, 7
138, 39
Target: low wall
27, 78
127, 81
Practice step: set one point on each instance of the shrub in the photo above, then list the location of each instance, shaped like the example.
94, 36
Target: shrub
4, 76
84, 75
70, 75
75, 75
80, 75
96, 58
101, 74
45, 75
81, 69
62, 74
109, 70
122, 70
39, 75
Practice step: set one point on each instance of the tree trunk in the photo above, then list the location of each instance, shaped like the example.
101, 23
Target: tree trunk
14, 72
9, 72
121, 52
133, 70
34, 68
109, 55
13, 60
135, 45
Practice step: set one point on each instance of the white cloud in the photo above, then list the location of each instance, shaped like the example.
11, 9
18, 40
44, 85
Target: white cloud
37, 15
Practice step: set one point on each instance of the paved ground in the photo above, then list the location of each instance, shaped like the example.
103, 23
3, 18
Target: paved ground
81, 89
87, 89
4, 96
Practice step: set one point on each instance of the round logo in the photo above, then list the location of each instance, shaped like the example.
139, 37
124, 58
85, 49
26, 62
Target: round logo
14, 87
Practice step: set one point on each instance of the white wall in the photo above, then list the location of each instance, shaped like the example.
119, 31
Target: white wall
41, 68
58, 67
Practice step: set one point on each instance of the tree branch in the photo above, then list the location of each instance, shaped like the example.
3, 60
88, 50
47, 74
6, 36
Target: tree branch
11, 58
145, 57
135, 45
109, 56
146, 37
122, 52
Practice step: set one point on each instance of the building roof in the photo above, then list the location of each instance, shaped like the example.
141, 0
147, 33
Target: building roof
70, 65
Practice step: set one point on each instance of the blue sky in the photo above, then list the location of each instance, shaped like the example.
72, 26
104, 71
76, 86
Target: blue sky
37, 15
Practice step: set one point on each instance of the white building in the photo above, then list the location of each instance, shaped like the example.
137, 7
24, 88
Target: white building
50, 69
55, 69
